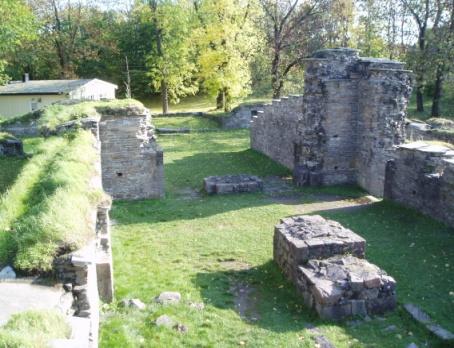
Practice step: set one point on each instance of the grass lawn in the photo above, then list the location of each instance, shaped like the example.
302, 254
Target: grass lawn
206, 246
447, 107
194, 104
192, 122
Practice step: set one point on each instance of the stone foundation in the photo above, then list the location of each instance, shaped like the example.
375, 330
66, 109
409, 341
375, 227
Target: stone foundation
301, 238
132, 161
421, 176
343, 129
325, 262
232, 184
11, 146
344, 286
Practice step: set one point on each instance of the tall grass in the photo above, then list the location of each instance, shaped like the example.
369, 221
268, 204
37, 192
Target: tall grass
46, 210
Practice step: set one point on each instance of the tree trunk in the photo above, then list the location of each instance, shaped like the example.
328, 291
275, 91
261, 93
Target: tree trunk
276, 83
220, 100
437, 93
419, 99
165, 97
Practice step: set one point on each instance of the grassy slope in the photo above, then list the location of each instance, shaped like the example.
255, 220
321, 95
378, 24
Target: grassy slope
190, 246
47, 201
33, 329
447, 107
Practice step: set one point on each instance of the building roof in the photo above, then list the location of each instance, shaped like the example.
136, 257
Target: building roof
45, 86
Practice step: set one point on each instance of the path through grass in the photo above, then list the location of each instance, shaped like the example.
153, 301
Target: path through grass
206, 246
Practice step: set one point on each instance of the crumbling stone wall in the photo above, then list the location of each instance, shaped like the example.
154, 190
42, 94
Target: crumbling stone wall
421, 176
132, 161
11, 146
342, 131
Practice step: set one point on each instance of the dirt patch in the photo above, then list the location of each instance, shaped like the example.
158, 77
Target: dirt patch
245, 301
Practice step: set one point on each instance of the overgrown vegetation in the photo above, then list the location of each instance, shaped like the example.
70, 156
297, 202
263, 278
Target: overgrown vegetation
6, 136
53, 115
204, 246
45, 208
33, 329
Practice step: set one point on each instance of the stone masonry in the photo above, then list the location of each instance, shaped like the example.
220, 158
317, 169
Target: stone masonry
132, 161
343, 129
11, 146
232, 184
325, 262
301, 238
421, 176
343, 286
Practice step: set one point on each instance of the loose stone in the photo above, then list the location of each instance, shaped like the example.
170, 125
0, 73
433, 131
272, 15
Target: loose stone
168, 297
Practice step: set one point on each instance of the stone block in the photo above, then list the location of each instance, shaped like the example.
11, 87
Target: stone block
341, 286
301, 238
232, 184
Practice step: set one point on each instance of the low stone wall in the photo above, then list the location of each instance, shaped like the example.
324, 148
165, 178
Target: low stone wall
241, 116
417, 131
274, 129
421, 176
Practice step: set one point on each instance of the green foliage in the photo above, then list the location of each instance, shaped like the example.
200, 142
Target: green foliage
44, 212
169, 61
6, 136
226, 40
33, 329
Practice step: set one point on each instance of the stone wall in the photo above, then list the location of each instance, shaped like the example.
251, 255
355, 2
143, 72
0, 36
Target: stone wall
342, 131
132, 161
11, 146
421, 176
240, 117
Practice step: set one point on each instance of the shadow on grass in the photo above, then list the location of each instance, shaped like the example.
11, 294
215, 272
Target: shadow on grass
11, 168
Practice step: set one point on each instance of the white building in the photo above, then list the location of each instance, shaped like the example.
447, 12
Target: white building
19, 98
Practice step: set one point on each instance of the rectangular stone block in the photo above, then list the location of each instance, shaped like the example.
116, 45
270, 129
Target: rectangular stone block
341, 286
232, 184
301, 238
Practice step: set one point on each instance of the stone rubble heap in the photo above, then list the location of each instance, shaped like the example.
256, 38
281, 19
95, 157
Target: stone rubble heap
325, 261
232, 184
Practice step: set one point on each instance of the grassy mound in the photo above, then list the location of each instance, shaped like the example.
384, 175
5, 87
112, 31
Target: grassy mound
33, 329
53, 115
6, 136
45, 211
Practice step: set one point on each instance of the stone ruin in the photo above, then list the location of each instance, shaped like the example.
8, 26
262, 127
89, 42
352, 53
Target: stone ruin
325, 262
421, 176
132, 161
232, 184
343, 129
11, 146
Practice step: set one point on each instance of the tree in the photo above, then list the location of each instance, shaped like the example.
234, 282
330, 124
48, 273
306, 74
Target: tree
423, 12
16, 26
293, 33
170, 67
226, 41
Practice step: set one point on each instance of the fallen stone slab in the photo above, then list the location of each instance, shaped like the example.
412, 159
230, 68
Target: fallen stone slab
301, 238
165, 320
422, 317
172, 130
133, 303
343, 286
232, 184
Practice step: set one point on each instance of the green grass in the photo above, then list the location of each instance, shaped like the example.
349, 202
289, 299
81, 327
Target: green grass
6, 136
46, 201
200, 247
53, 115
198, 103
33, 329
191, 122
